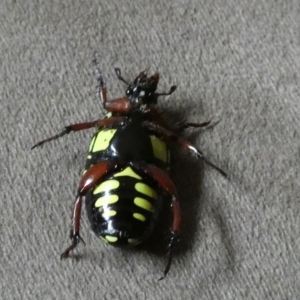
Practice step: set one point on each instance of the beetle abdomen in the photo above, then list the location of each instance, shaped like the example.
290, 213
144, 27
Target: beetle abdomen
123, 209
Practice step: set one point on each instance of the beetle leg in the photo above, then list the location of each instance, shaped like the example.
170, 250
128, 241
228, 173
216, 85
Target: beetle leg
89, 179
165, 182
74, 233
171, 91
66, 130
81, 126
161, 131
153, 115
118, 72
184, 124
119, 105
101, 88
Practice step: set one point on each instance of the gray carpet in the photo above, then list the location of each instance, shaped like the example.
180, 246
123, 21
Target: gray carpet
235, 62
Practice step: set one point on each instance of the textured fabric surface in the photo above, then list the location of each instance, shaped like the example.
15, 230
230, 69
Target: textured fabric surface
233, 61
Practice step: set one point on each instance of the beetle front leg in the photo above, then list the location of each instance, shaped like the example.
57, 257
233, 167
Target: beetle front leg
120, 105
161, 131
101, 88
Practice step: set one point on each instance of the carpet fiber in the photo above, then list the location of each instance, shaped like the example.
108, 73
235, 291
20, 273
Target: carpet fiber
234, 62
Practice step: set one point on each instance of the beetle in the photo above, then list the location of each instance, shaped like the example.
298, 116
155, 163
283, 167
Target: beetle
126, 174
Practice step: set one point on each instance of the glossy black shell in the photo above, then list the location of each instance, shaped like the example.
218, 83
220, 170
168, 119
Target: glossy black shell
130, 219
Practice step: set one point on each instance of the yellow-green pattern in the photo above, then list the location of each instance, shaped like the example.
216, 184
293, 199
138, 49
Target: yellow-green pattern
106, 186
133, 241
106, 199
128, 172
160, 149
111, 239
109, 213
143, 203
139, 217
145, 189
101, 140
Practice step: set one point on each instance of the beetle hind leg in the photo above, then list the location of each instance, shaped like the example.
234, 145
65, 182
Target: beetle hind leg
167, 185
74, 233
89, 179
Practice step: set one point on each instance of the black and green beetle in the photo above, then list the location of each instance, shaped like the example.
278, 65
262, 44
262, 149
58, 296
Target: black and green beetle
126, 175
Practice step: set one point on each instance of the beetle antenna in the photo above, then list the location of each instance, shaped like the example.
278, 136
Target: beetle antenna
118, 72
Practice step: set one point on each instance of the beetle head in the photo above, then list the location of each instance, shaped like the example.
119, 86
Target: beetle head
142, 90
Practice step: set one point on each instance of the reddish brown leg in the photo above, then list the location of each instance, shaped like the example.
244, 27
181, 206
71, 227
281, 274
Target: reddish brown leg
74, 233
154, 116
89, 179
184, 124
101, 89
120, 105
161, 131
81, 126
164, 181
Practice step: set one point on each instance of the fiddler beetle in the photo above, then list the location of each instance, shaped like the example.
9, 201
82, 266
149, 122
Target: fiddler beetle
126, 174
